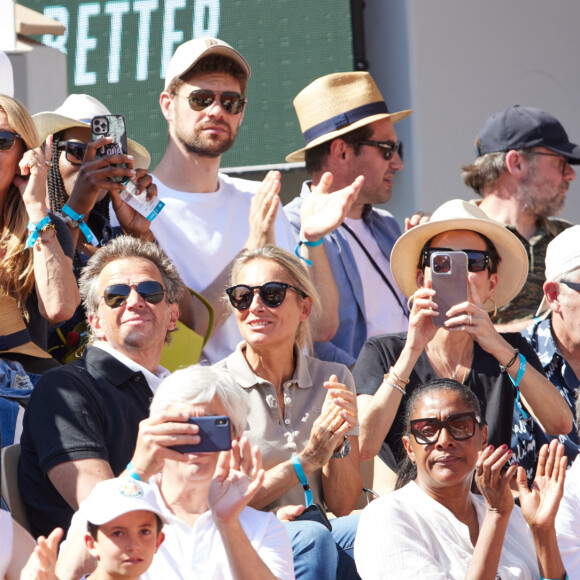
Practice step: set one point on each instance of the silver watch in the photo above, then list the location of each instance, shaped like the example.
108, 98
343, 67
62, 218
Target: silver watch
343, 450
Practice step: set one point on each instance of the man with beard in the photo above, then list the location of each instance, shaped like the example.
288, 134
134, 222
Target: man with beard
522, 172
209, 217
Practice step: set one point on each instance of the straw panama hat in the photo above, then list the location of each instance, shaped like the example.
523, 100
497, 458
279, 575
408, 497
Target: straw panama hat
337, 104
15, 336
458, 214
77, 111
190, 52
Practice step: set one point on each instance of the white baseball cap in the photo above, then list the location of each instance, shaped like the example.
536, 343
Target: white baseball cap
6, 75
115, 497
188, 53
562, 257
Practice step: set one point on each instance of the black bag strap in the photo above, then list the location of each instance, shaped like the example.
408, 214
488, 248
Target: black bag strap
377, 268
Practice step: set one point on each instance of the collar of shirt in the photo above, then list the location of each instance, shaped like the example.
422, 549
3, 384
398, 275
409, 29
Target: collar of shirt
246, 378
153, 380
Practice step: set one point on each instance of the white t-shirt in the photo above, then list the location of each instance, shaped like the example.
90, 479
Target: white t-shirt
199, 552
203, 232
568, 522
408, 534
7, 538
382, 311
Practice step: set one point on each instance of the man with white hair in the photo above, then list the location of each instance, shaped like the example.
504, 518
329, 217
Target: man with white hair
555, 336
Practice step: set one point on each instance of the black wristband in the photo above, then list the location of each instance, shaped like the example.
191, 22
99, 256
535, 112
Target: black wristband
503, 368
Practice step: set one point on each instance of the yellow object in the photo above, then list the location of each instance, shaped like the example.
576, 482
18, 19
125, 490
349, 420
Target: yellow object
186, 345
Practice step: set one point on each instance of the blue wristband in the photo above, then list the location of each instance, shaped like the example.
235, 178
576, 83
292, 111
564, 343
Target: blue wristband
35, 230
310, 245
89, 236
302, 477
521, 371
565, 577
131, 471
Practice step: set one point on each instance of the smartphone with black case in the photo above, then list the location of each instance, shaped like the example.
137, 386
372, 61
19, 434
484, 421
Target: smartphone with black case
449, 280
315, 513
215, 435
113, 127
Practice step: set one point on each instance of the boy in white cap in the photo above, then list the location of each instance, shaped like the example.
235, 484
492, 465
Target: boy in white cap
124, 525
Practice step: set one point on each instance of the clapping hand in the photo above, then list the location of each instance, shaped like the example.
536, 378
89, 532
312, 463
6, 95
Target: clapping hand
42, 561
238, 476
540, 503
493, 477
263, 212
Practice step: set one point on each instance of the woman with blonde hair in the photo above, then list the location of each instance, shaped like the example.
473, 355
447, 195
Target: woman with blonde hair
35, 272
303, 413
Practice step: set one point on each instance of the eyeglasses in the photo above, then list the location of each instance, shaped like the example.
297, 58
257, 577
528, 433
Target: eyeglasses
7, 140
477, 260
460, 426
552, 155
75, 151
201, 99
389, 147
116, 295
272, 294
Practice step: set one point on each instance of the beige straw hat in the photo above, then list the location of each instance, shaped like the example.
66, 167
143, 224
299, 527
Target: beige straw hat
77, 111
458, 214
15, 336
337, 104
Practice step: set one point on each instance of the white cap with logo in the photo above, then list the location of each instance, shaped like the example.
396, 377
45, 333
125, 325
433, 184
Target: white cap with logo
115, 497
188, 53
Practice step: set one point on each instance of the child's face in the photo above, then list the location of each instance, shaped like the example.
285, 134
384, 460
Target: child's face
126, 545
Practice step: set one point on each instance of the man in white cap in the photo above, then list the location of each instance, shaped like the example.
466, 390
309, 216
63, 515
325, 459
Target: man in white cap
349, 132
522, 172
210, 217
555, 336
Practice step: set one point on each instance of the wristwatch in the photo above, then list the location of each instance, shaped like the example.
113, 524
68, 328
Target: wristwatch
343, 450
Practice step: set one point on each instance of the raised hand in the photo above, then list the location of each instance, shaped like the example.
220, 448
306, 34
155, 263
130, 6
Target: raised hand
42, 561
421, 328
540, 503
416, 219
32, 179
323, 212
238, 476
337, 418
493, 481
157, 434
263, 211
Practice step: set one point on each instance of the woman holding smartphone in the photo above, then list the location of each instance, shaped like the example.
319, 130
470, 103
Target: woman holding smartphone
501, 369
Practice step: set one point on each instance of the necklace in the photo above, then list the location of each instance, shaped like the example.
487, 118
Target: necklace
450, 373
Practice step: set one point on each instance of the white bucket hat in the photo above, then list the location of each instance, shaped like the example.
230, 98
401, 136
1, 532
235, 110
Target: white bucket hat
458, 214
77, 111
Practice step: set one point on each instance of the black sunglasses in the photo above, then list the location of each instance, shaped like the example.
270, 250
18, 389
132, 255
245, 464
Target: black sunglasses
460, 426
389, 147
564, 159
116, 295
201, 99
573, 285
272, 294
7, 140
75, 151
477, 260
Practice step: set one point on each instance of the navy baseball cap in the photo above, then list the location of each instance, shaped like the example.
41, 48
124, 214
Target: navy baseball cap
522, 128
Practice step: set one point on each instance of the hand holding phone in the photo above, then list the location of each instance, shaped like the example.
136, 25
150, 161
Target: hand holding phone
215, 433
113, 127
449, 280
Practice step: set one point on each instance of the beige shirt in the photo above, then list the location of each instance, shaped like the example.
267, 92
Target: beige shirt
280, 436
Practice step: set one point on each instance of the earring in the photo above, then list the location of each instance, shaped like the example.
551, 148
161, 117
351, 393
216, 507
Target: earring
410, 302
494, 307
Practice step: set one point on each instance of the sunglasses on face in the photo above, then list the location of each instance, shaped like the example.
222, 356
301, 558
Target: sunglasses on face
7, 140
201, 99
75, 151
272, 294
477, 260
116, 295
389, 148
563, 159
460, 426
572, 285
